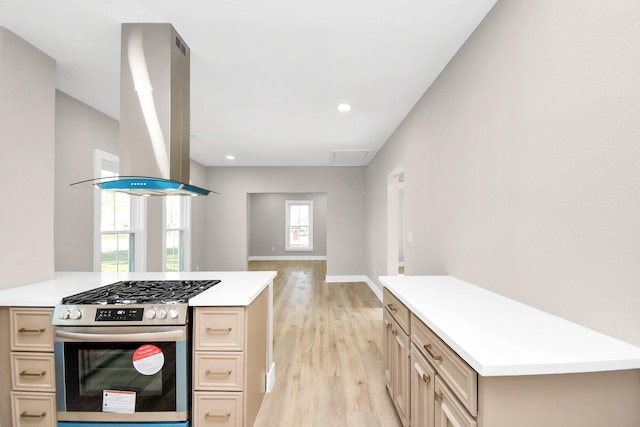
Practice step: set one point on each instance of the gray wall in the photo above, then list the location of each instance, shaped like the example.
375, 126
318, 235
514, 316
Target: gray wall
227, 213
522, 163
198, 219
79, 130
27, 102
267, 225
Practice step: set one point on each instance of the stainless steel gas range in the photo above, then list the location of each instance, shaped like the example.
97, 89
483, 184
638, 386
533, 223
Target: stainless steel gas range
122, 353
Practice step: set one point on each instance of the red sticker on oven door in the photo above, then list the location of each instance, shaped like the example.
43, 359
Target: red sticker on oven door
148, 359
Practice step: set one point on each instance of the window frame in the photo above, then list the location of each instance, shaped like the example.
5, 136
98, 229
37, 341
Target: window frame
103, 160
288, 205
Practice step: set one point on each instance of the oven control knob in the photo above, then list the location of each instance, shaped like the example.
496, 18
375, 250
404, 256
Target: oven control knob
64, 314
173, 314
162, 313
151, 313
75, 314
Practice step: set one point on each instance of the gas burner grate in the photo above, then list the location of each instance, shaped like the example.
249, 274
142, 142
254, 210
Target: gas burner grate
142, 292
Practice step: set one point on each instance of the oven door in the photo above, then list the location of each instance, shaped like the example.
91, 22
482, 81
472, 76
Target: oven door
122, 373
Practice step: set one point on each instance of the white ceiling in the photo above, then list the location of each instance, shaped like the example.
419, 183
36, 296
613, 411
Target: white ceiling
266, 76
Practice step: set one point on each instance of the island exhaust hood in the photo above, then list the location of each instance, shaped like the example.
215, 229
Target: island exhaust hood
154, 113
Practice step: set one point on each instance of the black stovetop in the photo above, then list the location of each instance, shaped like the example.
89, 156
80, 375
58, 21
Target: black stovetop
142, 292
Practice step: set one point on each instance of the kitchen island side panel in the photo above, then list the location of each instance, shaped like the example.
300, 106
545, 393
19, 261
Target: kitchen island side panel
5, 370
594, 399
257, 346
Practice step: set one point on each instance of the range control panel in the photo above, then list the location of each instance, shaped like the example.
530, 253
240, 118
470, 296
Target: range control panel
131, 315
119, 314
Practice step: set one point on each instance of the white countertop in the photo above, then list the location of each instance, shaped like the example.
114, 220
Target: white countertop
498, 336
237, 288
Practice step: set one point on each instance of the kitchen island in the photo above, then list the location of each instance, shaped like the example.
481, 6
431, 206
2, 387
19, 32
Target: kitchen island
239, 292
458, 354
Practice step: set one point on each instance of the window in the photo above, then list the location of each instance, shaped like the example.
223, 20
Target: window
299, 225
119, 223
176, 238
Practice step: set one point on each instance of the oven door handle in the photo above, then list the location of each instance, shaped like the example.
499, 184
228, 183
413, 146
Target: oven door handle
172, 335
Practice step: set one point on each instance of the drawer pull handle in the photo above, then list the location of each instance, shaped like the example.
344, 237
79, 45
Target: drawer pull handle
227, 330
32, 374
438, 396
387, 324
209, 415
392, 307
210, 372
426, 378
428, 348
26, 415
31, 331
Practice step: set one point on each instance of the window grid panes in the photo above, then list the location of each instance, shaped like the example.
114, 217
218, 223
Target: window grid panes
117, 252
117, 227
176, 228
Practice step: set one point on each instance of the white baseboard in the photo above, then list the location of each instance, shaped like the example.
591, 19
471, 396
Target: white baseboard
289, 258
271, 378
355, 278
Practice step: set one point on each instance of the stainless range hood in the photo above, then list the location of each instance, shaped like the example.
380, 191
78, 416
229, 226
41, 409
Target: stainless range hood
154, 113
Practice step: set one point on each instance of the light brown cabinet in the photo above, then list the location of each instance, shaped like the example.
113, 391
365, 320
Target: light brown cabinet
436, 372
229, 363
32, 367
446, 391
396, 355
448, 410
423, 378
429, 383
459, 376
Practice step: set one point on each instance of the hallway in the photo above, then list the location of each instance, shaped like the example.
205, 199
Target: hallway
327, 350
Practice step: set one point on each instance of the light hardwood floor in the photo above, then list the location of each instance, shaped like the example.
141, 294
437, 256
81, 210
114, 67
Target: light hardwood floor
327, 350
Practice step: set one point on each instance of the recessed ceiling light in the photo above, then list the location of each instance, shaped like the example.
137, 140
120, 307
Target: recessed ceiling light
343, 108
230, 157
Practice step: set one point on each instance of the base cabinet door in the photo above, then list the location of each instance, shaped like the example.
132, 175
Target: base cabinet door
388, 349
423, 378
400, 374
449, 412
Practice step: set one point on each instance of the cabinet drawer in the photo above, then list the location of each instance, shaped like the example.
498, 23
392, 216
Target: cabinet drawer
397, 309
218, 371
33, 372
460, 377
448, 411
219, 329
217, 409
31, 329
33, 409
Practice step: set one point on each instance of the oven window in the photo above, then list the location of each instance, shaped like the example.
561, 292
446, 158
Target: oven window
92, 368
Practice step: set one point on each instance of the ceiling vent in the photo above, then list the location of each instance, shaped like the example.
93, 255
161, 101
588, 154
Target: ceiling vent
355, 157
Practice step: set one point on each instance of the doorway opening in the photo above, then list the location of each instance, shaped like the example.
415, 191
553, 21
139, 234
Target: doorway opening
395, 222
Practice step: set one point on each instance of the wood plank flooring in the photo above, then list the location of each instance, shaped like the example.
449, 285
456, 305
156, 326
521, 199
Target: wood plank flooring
327, 350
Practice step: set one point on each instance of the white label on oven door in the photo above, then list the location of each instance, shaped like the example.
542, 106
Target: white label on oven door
123, 402
148, 359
